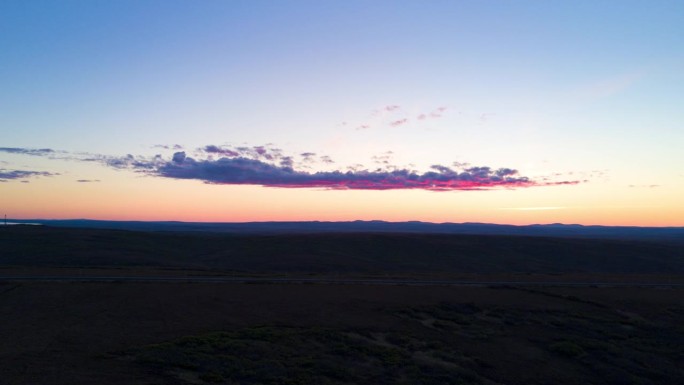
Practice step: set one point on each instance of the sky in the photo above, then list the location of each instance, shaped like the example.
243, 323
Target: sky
443, 111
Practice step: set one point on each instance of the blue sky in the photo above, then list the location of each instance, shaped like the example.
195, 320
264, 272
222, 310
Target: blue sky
590, 88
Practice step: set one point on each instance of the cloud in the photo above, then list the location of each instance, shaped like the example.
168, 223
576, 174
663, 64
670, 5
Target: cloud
211, 149
584, 176
260, 152
168, 146
287, 162
121, 162
383, 159
609, 86
394, 115
244, 171
88, 180
437, 113
397, 123
485, 116
6, 175
267, 166
113, 161
27, 151
178, 157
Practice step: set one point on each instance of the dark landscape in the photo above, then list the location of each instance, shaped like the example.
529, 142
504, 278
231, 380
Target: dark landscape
673, 234
107, 306
341, 192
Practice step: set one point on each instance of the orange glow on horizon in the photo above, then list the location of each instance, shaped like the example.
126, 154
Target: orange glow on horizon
157, 199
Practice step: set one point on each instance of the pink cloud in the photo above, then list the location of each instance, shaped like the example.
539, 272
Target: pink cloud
399, 122
242, 171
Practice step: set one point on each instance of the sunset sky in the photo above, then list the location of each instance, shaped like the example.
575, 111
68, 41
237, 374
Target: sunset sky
513, 112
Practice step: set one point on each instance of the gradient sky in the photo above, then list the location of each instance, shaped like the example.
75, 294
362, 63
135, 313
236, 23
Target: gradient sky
447, 111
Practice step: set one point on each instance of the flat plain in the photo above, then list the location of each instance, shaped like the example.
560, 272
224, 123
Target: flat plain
513, 310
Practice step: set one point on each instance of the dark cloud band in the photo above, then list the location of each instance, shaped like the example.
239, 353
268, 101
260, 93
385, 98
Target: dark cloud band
27, 151
6, 175
267, 166
244, 171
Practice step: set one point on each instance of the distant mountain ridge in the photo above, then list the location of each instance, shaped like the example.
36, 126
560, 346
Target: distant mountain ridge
376, 226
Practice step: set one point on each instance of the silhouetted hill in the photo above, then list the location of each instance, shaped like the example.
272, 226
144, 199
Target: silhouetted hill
335, 252
675, 234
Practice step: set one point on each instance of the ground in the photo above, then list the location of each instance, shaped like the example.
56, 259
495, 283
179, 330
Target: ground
533, 311
166, 333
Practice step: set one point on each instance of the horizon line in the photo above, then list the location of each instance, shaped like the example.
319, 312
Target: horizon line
9, 220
